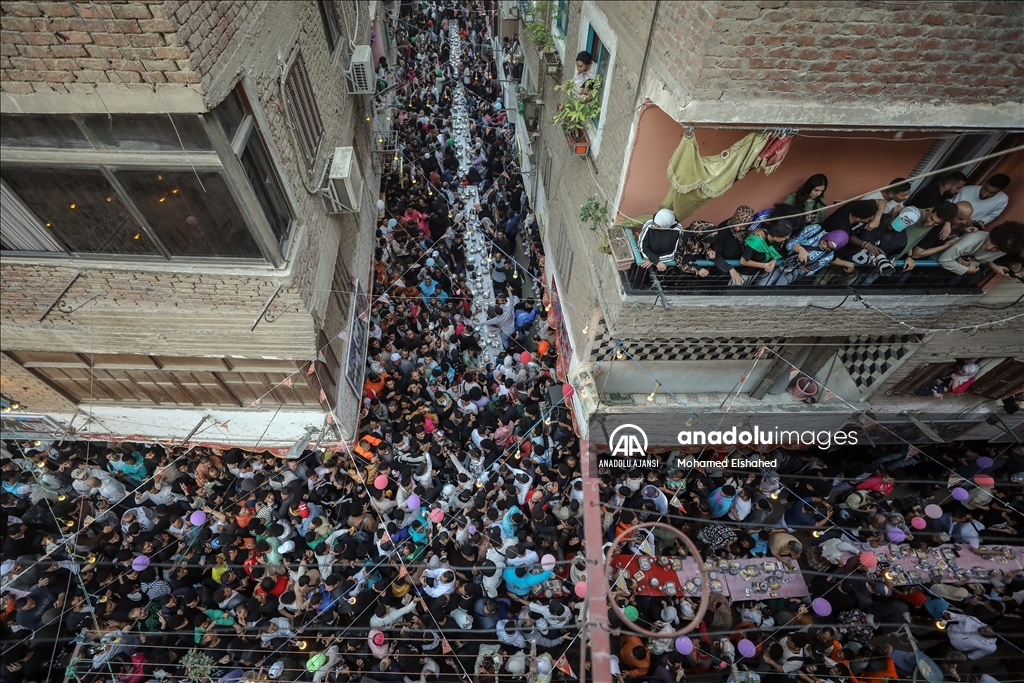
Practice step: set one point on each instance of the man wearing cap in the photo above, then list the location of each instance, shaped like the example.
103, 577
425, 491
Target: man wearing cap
659, 239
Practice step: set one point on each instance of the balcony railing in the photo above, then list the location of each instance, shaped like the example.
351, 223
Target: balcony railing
928, 277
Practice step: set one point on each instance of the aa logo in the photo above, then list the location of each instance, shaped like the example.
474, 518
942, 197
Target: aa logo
628, 441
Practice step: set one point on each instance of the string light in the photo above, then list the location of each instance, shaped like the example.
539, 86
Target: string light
74, 205
940, 624
650, 396
586, 329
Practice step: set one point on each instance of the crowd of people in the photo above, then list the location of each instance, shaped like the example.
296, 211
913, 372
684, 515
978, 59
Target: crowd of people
877, 239
446, 543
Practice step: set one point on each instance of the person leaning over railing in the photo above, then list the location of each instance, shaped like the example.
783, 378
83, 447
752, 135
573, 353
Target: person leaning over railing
966, 257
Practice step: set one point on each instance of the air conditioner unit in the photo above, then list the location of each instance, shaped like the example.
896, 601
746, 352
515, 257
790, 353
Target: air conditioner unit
359, 78
343, 185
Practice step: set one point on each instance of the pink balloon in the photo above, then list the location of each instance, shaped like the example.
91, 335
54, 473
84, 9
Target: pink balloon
746, 648
525, 357
869, 559
581, 589
413, 502
821, 607
918, 523
684, 645
436, 515
984, 481
548, 562
933, 511
960, 494
381, 482
140, 562
568, 390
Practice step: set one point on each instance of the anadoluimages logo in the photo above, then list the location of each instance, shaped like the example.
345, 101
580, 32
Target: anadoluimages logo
626, 442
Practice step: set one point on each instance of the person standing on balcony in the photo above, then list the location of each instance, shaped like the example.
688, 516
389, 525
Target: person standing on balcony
935, 193
810, 197
889, 201
971, 251
988, 200
659, 239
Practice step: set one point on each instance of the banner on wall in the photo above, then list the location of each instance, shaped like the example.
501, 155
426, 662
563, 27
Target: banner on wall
358, 338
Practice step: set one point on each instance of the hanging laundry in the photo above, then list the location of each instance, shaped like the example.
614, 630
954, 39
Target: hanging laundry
773, 153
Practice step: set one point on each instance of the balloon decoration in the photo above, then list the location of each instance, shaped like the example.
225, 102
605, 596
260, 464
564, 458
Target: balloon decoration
548, 562
631, 613
984, 462
436, 515
140, 562
568, 390
984, 481
960, 494
746, 648
684, 645
896, 535
381, 482
933, 511
918, 523
821, 607
581, 589
869, 559
430, 262
413, 502
198, 518
524, 357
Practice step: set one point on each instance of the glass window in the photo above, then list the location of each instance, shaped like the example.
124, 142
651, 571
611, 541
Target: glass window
230, 113
562, 17
600, 56
332, 31
42, 130
81, 209
189, 218
148, 132
265, 185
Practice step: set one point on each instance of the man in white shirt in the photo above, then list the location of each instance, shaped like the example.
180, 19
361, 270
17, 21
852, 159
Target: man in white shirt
988, 200
889, 201
969, 635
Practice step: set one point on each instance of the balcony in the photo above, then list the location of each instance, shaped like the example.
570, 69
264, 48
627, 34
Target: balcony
927, 278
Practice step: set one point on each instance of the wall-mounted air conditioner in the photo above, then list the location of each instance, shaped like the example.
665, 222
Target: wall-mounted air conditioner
342, 184
359, 78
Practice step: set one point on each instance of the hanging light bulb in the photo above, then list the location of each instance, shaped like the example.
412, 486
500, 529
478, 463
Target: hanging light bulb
91, 559
303, 644
775, 495
618, 352
62, 497
650, 396
515, 274
941, 624
816, 533
586, 329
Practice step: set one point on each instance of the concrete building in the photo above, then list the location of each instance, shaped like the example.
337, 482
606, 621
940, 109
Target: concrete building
170, 259
874, 91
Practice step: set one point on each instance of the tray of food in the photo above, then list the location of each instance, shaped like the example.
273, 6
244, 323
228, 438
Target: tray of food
645, 563
677, 564
669, 588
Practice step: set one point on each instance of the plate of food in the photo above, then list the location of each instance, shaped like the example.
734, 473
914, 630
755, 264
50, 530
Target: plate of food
761, 587
677, 563
645, 564
654, 582
639, 576
774, 584
716, 586
768, 566
690, 588
669, 588
663, 561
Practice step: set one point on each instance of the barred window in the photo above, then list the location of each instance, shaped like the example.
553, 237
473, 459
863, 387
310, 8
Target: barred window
305, 115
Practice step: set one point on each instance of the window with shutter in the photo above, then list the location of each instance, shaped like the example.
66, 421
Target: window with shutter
1003, 380
305, 116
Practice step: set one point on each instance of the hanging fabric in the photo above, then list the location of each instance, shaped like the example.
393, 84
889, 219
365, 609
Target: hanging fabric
694, 180
773, 153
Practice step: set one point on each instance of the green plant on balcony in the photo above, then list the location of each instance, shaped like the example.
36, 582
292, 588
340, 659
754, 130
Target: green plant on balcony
594, 212
539, 29
578, 107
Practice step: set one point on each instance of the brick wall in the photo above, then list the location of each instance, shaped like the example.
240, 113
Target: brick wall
62, 47
926, 52
18, 384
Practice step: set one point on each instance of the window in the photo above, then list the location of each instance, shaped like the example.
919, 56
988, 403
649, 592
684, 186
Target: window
562, 17
150, 186
236, 114
332, 31
564, 256
601, 57
302, 110
169, 381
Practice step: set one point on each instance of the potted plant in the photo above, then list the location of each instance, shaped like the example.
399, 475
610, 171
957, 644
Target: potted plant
577, 109
538, 28
594, 212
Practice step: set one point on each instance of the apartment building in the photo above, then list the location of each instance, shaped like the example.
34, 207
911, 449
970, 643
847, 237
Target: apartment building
865, 92
189, 203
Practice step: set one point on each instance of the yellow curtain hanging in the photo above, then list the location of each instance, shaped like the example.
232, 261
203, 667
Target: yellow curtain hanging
694, 180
